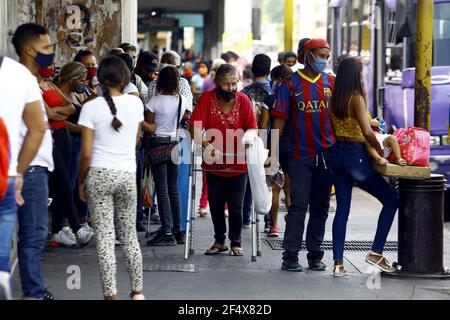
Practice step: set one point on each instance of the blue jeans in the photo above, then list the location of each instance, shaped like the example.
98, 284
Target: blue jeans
165, 176
350, 164
33, 231
8, 216
312, 189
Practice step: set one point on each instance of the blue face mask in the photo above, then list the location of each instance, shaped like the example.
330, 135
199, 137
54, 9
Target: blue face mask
44, 60
318, 64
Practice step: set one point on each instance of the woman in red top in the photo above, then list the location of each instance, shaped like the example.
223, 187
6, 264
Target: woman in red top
59, 107
226, 115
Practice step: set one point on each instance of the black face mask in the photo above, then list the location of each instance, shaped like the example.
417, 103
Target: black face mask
80, 88
226, 95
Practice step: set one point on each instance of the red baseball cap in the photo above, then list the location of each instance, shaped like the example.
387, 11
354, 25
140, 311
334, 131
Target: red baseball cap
311, 45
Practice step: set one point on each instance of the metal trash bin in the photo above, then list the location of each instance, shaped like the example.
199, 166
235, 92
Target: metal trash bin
421, 227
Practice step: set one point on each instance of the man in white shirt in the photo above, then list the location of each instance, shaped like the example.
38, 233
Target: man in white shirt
20, 96
33, 215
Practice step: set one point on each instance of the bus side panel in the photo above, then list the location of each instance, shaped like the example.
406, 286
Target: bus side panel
393, 105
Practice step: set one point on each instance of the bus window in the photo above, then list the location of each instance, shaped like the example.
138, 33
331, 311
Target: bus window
354, 28
366, 33
441, 34
344, 37
330, 24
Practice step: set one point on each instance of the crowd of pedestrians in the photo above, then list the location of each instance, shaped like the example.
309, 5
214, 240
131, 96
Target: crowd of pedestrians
81, 140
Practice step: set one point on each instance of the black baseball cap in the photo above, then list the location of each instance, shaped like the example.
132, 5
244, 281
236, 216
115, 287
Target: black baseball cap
149, 60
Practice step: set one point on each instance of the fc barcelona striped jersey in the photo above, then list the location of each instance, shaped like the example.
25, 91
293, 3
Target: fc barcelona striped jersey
304, 102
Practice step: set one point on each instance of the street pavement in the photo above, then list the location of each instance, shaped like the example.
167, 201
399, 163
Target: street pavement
169, 277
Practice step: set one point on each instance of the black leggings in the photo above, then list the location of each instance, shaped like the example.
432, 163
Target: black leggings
61, 189
228, 190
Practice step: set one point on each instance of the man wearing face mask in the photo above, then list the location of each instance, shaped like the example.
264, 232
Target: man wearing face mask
303, 100
36, 52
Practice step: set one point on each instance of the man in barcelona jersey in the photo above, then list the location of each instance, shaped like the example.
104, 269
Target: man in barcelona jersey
303, 100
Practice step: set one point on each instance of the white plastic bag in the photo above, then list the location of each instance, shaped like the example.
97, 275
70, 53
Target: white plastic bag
256, 157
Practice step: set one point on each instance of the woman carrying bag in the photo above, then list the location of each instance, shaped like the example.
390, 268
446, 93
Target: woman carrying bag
165, 112
351, 163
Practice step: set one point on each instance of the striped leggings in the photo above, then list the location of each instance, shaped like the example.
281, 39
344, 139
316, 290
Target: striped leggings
112, 204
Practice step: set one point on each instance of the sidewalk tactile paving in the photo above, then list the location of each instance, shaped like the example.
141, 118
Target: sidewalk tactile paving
283, 209
277, 244
170, 267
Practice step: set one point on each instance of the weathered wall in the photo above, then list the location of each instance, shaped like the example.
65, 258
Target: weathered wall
81, 24
26, 11
12, 14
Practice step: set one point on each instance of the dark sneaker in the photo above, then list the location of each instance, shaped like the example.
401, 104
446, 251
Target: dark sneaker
317, 265
48, 295
155, 233
291, 264
162, 240
180, 237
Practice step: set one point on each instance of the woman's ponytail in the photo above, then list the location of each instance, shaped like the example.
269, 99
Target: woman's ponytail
116, 123
113, 73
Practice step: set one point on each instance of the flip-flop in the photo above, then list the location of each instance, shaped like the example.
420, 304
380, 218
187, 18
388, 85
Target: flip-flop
236, 252
216, 251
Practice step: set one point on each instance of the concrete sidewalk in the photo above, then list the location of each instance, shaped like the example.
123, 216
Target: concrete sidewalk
223, 277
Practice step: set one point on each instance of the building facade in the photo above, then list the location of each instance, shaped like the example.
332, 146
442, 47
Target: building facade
73, 25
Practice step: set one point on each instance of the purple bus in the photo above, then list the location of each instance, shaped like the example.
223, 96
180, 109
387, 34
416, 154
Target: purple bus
383, 34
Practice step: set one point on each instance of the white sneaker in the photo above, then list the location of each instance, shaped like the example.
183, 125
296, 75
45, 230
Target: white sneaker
84, 235
5, 286
87, 227
65, 237
202, 212
69, 232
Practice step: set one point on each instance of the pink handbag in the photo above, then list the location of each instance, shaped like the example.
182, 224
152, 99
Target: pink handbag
414, 145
